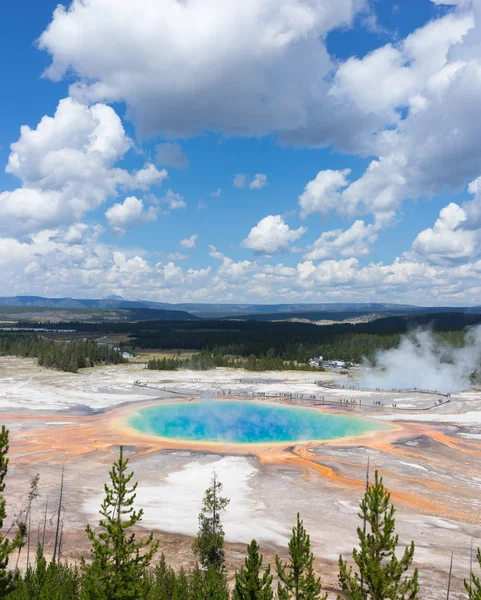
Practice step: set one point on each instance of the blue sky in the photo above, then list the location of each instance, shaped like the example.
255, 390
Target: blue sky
250, 151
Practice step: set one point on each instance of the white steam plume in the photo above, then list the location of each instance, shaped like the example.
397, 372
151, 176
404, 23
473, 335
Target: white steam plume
422, 361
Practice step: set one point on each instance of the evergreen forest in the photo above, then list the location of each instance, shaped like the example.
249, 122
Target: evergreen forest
252, 345
203, 361
64, 356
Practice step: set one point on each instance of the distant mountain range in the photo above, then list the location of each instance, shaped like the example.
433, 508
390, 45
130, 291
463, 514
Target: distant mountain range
119, 302
210, 310
51, 310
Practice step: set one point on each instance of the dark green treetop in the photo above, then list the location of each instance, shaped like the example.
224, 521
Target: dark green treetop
53, 581
297, 579
7, 546
250, 583
119, 560
209, 543
380, 575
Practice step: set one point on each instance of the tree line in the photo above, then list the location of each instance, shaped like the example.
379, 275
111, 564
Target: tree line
203, 361
288, 341
250, 345
123, 567
282, 343
64, 356
277, 340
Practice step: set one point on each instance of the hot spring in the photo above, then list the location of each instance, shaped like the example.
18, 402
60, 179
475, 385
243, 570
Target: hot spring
239, 422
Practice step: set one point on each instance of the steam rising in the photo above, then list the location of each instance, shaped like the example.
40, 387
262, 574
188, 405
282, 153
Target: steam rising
422, 361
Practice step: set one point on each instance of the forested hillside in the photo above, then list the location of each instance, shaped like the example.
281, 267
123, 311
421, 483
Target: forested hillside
26, 315
221, 341
65, 356
295, 342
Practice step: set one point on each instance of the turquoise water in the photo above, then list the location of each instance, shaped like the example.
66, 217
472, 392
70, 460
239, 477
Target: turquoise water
247, 422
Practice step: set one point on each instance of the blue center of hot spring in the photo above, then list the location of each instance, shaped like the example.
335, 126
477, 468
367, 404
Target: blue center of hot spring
247, 422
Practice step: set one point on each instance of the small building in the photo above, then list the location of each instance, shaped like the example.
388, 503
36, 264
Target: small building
334, 364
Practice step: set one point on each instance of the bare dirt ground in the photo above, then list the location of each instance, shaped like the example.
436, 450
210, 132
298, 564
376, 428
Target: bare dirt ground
431, 465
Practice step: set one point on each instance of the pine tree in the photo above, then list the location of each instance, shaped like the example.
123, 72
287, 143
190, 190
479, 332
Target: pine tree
181, 591
32, 584
297, 579
210, 584
7, 546
47, 582
249, 583
215, 585
197, 584
163, 581
119, 561
209, 543
473, 587
33, 494
380, 574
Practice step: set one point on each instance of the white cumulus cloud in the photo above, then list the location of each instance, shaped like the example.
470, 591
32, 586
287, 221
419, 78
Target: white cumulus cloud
453, 238
75, 234
353, 242
254, 69
430, 142
322, 194
67, 167
122, 217
189, 242
394, 75
272, 235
